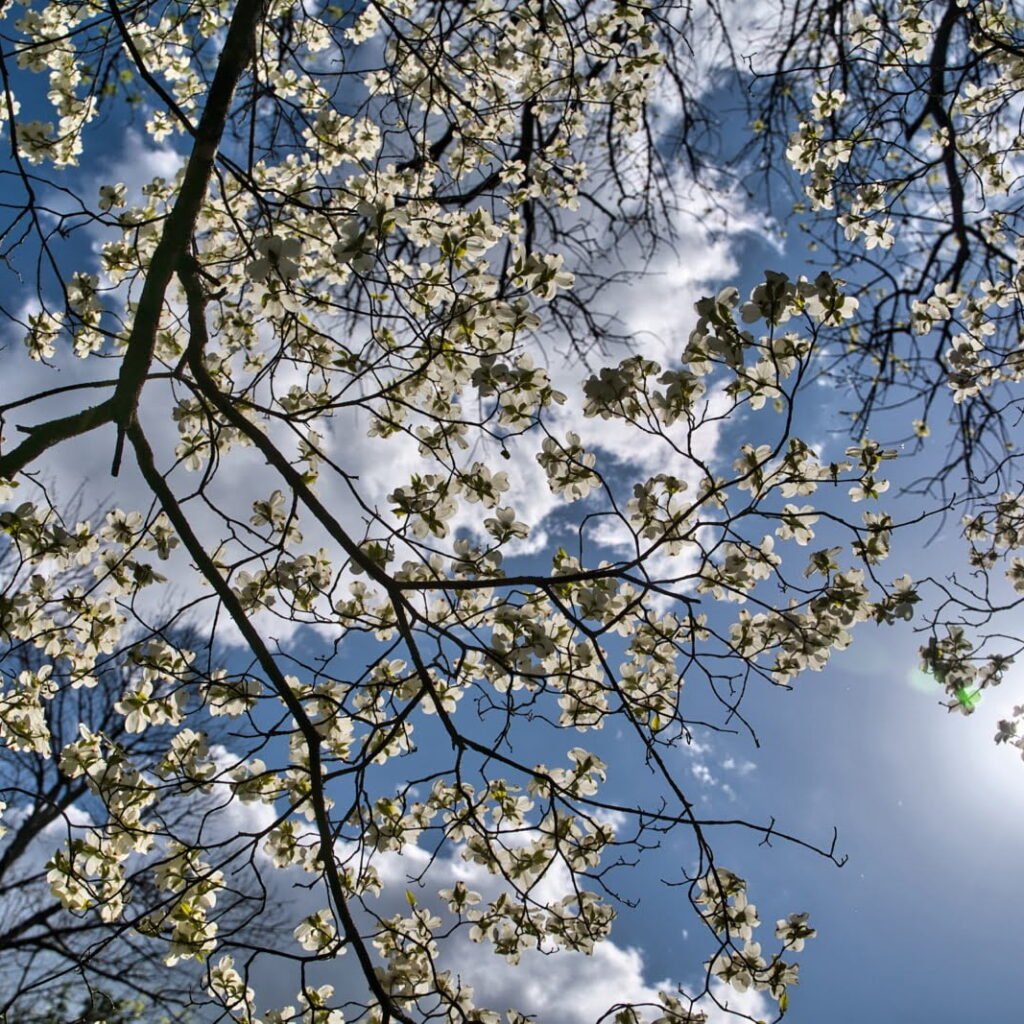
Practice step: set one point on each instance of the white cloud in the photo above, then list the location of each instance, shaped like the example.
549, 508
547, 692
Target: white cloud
741, 768
558, 988
566, 988
656, 312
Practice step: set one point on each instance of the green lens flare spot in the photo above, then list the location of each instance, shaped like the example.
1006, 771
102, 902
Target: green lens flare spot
969, 700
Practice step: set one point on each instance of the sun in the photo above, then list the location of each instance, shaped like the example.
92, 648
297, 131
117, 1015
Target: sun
982, 772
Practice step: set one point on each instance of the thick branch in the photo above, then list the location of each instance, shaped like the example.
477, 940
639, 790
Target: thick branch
239, 47
44, 436
206, 566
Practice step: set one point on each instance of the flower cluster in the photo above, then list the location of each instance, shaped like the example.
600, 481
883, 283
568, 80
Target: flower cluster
723, 898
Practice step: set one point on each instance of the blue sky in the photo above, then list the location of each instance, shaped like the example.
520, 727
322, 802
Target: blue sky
917, 925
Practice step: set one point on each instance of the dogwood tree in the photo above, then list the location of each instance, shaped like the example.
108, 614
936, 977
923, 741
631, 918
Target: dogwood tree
906, 139
317, 355
59, 964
